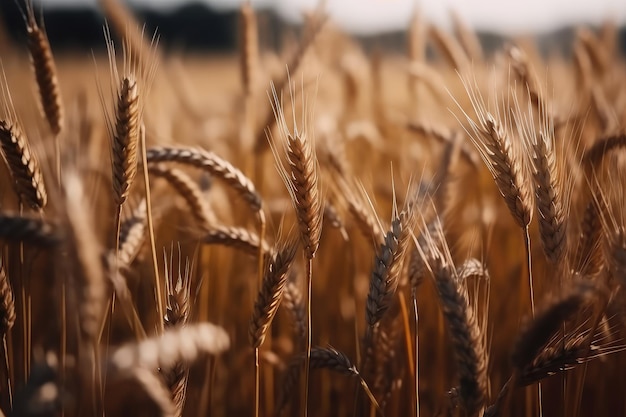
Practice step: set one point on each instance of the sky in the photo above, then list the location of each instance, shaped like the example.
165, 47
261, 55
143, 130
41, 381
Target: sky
370, 16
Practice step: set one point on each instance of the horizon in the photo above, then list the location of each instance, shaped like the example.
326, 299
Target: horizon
380, 16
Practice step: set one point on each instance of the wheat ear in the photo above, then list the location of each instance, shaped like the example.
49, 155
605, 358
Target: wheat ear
132, 235
550, 198
507, 167
235, 237
463, 325
388, 264
212, 164
181, 345
595, 154
321, 358
445, 136
268, 301
293, 303
499, 154
23, 165
177, 314
45, 71
537, 332
7, 305
271, 292
29, 230
467, 38
189, 190
88, 268
301, 179
449, 48
525, 74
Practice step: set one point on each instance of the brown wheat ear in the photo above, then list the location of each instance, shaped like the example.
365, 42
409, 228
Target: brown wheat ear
212, 164
271, 292
551, 197
463, 325
132, 235
548, 320
23, 165
388, 266
7, 304
293, 303
235, 237
321, 358
501, 157
300, 175
45, 71
189, 190
177, 314
125, 139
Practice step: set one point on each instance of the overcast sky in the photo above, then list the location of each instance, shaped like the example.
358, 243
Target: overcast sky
362, 16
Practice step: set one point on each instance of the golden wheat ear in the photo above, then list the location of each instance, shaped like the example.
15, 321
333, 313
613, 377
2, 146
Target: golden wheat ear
44, 69
23, 165
271, 292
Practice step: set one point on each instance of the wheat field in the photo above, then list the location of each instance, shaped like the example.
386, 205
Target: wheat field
319, 230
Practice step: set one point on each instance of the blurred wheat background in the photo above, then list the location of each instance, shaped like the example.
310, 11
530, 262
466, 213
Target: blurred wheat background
310, 223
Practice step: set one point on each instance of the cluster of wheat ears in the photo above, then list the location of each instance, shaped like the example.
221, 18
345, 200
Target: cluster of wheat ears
333, 218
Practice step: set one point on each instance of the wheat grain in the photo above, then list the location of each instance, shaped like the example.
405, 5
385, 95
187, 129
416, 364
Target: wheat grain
271, 292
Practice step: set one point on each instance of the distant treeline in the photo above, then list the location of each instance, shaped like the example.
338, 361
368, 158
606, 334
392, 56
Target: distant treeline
200, 28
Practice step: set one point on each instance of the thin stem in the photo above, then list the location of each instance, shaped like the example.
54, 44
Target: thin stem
63, 337
407, 332
262, 225
6, 363
416, 372
307, 362
530, 269
257, 383
532, 299
57, 157
157, 281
